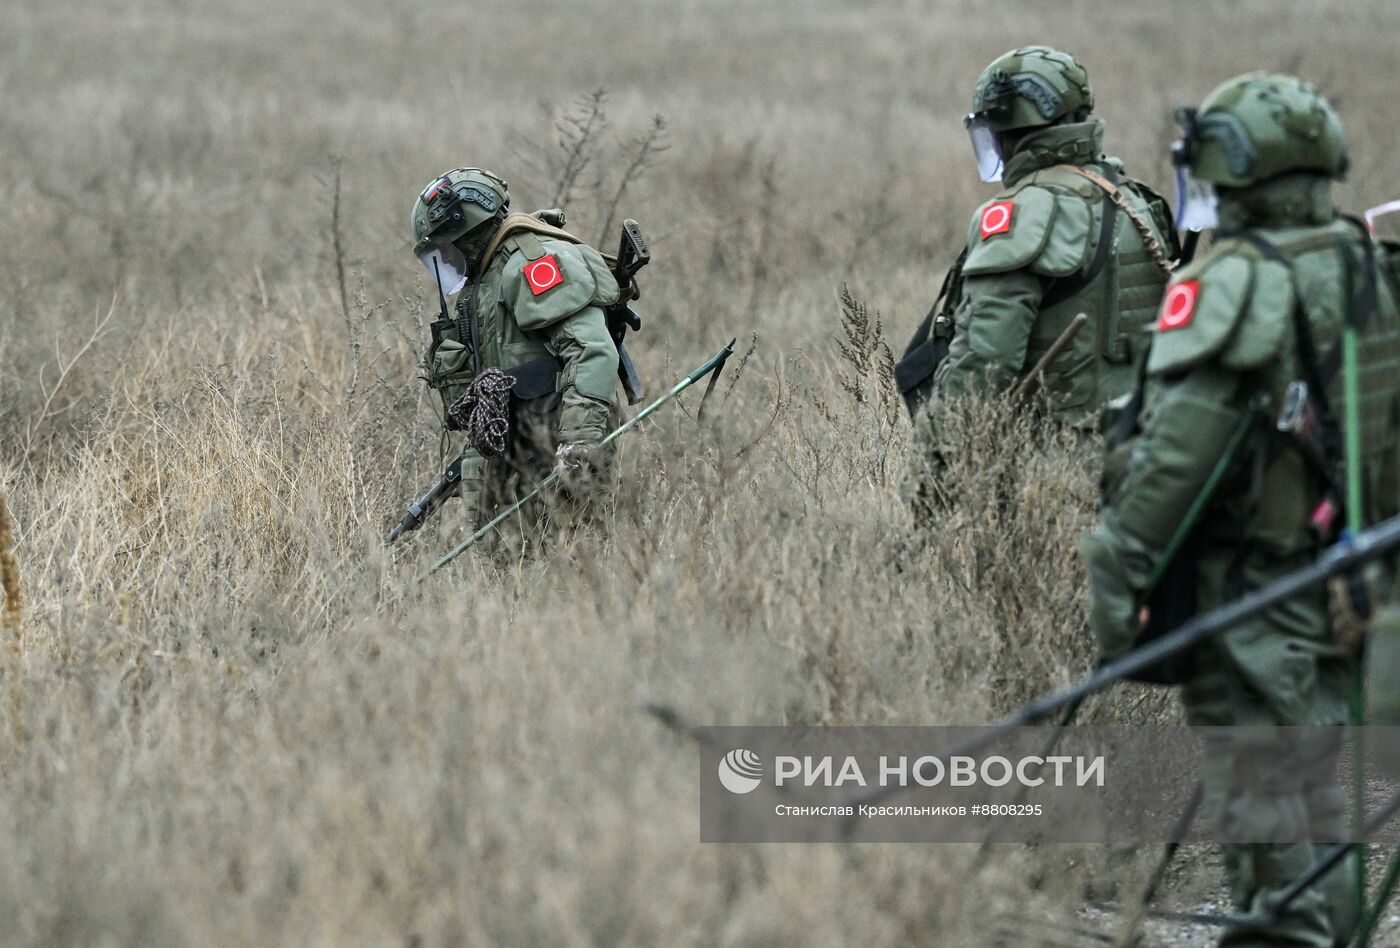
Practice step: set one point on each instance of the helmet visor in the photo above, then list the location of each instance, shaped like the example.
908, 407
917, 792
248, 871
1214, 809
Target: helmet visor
1196, 202
446, 264
985, 149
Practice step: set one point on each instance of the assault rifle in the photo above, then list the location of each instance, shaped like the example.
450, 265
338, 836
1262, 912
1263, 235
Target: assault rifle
632, 255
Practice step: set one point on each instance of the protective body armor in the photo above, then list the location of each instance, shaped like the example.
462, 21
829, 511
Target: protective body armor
1233, 339
512, 321
1247, 325
1054, 243
537, 313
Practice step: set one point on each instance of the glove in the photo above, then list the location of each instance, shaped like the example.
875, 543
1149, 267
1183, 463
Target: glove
575, 457
1113, 612
572, 455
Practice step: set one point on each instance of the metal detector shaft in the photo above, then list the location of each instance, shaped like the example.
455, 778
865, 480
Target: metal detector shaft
1339, 558
712, 365
1334, 856
1269, 917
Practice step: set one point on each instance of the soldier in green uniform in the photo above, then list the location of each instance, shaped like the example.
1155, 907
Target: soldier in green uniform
1246, 352
1068, 233
525, 364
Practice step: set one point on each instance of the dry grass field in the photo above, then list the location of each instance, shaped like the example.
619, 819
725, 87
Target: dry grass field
231, 716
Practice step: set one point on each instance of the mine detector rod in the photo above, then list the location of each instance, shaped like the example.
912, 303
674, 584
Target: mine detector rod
715, 364
1271, 911
1336, 559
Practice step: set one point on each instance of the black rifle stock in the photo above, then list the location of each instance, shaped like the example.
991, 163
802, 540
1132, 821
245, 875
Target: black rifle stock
424, 507
632, 254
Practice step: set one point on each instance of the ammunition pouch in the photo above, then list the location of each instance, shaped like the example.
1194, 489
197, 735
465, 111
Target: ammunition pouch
448, 365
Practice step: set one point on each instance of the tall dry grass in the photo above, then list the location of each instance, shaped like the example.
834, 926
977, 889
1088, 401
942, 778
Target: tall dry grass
244, 722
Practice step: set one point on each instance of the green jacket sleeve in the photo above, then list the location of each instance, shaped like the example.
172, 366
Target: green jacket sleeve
589, 377
1018, 245
991, 331
1188, 427
565, 308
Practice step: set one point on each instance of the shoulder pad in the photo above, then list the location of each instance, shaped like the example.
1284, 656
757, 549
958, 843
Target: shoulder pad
1230, 306
1035, 229
1267, 322
567, 278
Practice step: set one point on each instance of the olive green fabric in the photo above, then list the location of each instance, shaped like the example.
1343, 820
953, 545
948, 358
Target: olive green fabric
1234, 321
1383, 684
1029, 87
516, 325
464, 212
1237, 346
1011, 311
1258, 126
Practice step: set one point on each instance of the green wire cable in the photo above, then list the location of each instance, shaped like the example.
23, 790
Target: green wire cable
1355, 501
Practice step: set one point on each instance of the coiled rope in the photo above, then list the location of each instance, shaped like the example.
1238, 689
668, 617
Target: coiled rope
483, 412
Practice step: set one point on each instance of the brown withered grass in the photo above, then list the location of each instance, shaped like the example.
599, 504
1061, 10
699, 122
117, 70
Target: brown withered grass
244, 722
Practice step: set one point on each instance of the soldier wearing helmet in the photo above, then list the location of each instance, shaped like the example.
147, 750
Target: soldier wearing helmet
525, 364
1240, 409
1067, 233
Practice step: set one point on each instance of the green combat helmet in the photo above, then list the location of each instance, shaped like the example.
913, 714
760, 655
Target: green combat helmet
453, 219
1251, 129
1026, 88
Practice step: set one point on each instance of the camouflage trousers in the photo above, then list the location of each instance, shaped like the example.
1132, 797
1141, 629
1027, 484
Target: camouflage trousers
1269, 697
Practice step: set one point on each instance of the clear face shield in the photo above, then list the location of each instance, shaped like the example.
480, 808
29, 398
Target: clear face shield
1197, 206
446, 264
985, 148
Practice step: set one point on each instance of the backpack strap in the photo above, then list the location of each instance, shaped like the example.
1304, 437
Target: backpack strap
925, 329
1318, 372
1065, 289
516, 224
1115, 194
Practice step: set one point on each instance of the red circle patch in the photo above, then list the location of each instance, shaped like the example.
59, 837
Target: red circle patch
1179, 305
996, 218
543, 274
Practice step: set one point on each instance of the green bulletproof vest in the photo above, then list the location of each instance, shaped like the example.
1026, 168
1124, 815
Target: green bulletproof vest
506, 317
1253, 288
1071, 222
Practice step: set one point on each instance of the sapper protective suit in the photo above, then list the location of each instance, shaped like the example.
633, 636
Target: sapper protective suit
1260, 316
1068, 233
529, 363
